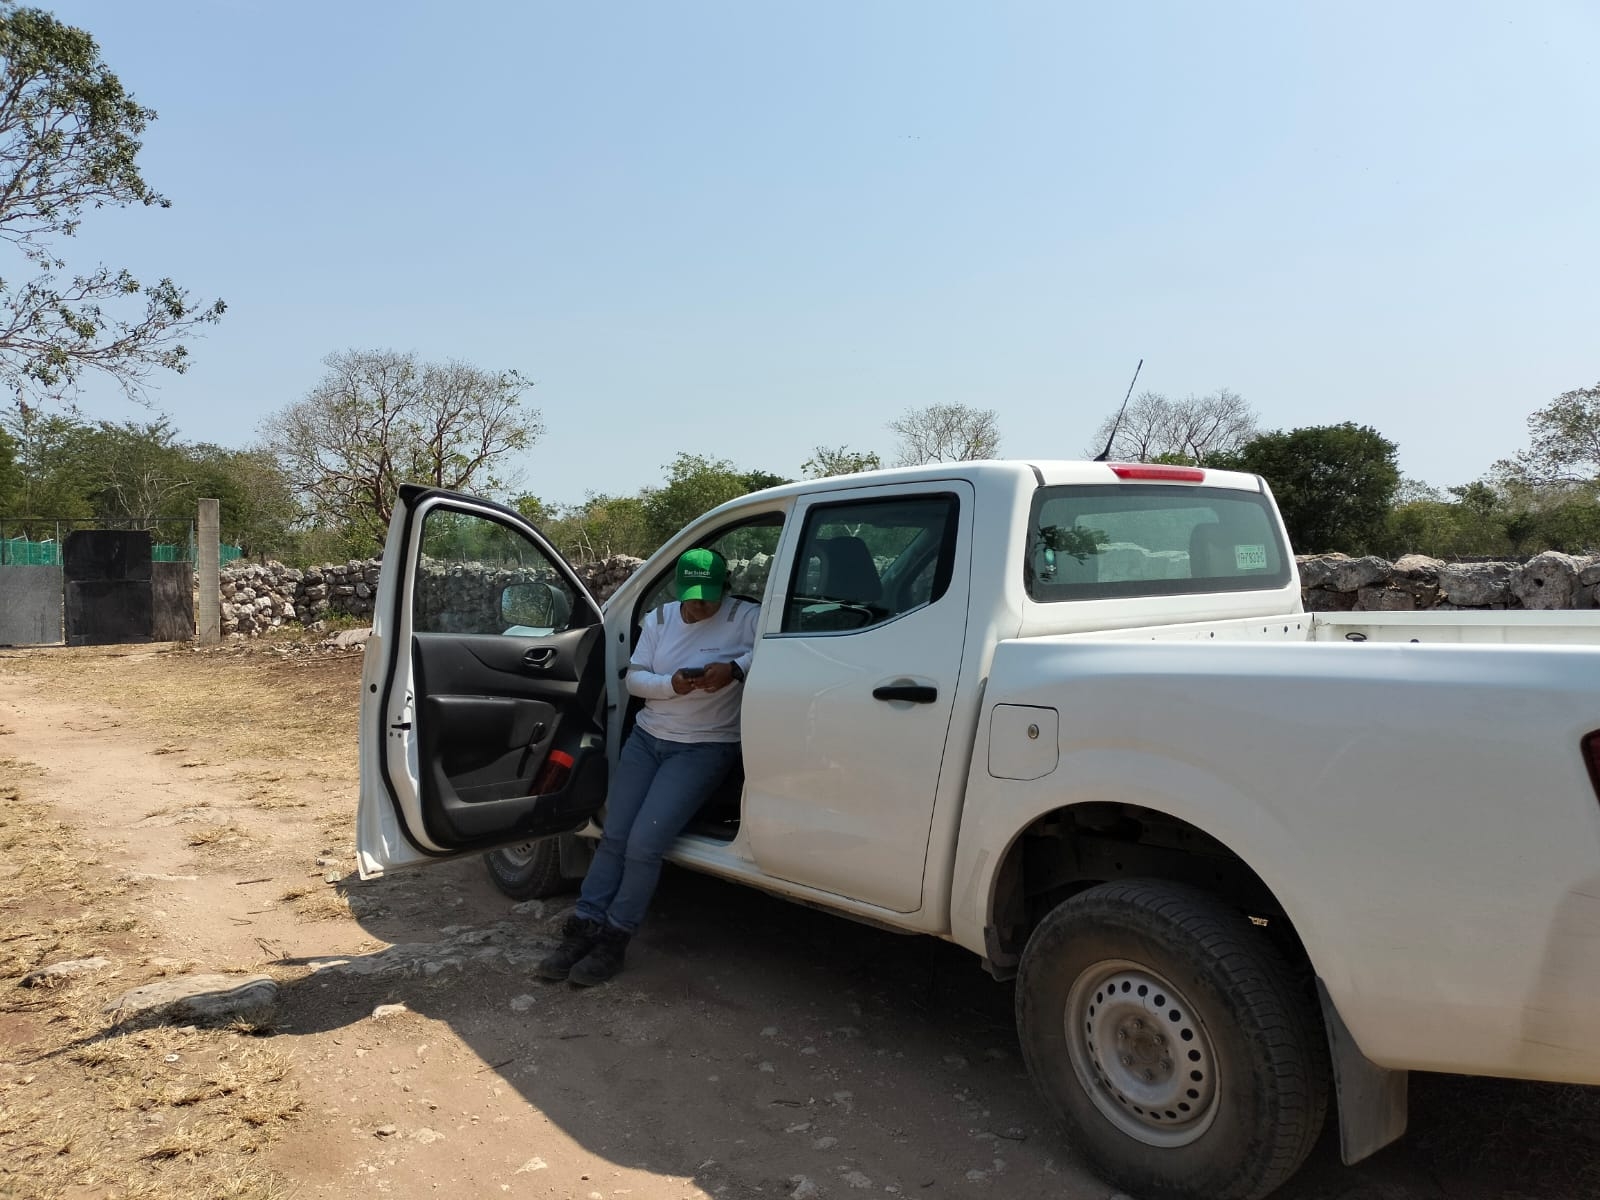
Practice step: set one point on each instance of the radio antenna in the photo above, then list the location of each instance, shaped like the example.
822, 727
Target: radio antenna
1117, 424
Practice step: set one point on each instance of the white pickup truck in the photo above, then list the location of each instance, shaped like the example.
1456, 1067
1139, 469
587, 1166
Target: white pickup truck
1240, 859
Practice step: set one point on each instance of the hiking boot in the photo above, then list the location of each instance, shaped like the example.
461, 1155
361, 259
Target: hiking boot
578, 936
602, 962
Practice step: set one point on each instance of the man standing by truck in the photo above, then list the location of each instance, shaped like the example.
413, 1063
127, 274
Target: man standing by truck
688, 668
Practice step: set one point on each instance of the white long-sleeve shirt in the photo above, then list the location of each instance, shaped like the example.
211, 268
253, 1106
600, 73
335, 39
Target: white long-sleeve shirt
668, 643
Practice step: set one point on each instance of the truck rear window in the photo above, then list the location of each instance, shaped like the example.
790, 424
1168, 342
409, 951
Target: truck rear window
1094, 541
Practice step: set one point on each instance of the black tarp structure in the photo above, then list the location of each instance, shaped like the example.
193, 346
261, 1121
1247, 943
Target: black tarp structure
172, 601
96, 586
108, 586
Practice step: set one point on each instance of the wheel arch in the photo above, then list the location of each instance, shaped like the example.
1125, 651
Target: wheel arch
1075, 846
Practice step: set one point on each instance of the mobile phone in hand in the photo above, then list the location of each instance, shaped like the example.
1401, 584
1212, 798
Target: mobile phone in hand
693, 672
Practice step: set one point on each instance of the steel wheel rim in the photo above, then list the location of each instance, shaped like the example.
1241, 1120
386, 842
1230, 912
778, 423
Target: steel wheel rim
520, 854
1142, 1054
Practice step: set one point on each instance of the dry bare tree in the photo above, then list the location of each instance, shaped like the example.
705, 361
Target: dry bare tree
946, 433
379, 418
1195, 428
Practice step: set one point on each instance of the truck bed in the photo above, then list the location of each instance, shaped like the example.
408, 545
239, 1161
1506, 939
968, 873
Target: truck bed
1422, 811
1562, 628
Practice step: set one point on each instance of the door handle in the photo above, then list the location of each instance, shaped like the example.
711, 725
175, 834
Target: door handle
914, 692
539, 658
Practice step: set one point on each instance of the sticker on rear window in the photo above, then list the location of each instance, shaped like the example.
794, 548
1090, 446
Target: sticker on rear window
1250, 558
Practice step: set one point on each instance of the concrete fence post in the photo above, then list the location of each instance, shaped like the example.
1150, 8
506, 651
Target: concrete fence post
208, 625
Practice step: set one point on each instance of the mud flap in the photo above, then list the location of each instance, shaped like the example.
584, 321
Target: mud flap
1372, 1100
576, 855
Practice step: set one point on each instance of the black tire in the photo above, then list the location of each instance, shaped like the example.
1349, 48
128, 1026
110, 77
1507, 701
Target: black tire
1216, 1091
528, 871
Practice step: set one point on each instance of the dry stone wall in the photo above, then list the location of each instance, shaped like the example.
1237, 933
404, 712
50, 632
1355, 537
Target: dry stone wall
1414, 583
258, 597
262, 596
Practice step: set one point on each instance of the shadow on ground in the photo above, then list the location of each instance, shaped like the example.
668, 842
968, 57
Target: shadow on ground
752, 1041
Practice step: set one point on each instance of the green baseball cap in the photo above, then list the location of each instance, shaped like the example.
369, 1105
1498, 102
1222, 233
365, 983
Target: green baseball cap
702, 575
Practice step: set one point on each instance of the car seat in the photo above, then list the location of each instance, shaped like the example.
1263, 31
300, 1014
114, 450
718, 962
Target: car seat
1211, 552
850, 587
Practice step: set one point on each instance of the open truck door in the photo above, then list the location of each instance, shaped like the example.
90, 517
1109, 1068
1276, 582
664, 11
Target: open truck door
483, 697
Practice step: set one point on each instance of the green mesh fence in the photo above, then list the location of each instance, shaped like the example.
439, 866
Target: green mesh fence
165, 552
20, 552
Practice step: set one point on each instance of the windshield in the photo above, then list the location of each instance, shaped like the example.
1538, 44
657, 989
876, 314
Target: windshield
1094, 541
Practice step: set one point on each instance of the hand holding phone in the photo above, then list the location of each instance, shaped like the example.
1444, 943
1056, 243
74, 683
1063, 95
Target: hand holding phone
693, 672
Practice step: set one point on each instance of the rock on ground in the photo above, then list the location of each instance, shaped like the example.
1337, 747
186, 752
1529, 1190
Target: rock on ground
203, 999
47, 976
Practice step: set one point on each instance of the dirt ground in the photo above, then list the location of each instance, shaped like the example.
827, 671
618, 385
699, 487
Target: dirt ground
172, 811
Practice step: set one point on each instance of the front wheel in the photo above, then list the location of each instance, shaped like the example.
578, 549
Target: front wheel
528, 870
1169, 1035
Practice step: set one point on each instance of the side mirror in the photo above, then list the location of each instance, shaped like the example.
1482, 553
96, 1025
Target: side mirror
535, 607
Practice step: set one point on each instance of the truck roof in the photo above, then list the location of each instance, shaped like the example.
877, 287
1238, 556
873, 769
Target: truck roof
1009, 470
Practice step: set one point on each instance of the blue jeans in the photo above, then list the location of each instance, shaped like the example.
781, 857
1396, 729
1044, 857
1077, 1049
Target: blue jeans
658, 788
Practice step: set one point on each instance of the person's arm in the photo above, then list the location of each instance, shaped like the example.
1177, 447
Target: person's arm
751, 619
641, 680
719, 675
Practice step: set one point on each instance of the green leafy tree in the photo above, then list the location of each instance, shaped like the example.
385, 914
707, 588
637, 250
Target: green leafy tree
378, 419
695, 484
53, 478
1420, 527
760, 481
10, 475
607, 525
141, 474
1569, 522
1334, 484
1566, 443
536, 510
946, 433
69, 142
827, 461
137, 471
1444, 529
256, 505
1535, 516
598, 528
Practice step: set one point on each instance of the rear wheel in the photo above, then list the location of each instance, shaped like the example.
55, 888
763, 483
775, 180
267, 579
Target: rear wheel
1171, 1037
529, 870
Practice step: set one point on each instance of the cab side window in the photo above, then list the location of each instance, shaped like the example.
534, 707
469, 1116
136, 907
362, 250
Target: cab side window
864, 563
476, 575
749, 548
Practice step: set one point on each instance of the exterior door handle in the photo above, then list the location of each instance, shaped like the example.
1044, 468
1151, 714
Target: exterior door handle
914, 692
539, 658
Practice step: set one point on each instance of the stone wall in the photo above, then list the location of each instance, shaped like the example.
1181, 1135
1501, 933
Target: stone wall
1338, 583
259, 597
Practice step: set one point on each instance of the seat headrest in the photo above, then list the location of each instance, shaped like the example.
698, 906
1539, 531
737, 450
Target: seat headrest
849, 574
1210, 552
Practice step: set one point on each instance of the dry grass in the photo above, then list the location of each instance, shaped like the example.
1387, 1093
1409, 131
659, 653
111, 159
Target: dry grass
275, 801
48, 865
318, 903
219, 835
105, 1113
144, 1114
307, 702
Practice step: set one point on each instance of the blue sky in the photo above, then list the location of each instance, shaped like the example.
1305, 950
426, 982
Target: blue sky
744, 229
